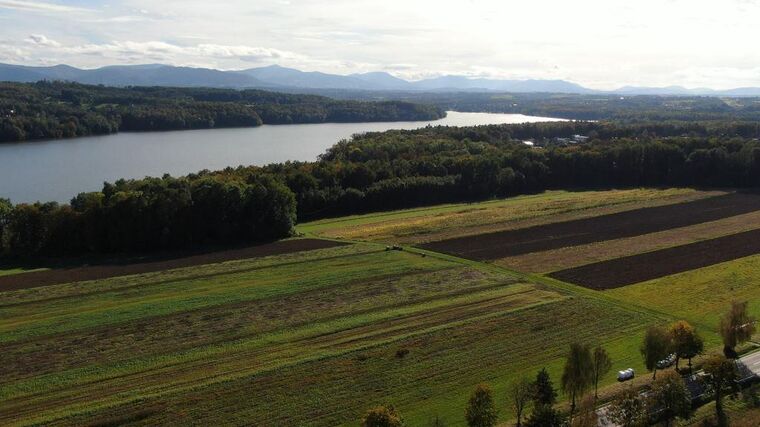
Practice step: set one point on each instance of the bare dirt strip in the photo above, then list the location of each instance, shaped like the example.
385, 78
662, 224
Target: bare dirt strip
632, 269
126, 267
635, 222
576, 256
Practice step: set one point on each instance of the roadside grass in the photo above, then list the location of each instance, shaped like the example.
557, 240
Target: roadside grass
569, 257
700, 296
439, 222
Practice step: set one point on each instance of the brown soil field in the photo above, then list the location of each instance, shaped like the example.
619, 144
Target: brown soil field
651, 265
635, 222
155, 263
574, 256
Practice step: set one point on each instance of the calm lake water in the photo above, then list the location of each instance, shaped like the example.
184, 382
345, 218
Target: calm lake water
58, 170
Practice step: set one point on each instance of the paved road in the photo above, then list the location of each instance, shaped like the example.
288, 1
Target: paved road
750, 361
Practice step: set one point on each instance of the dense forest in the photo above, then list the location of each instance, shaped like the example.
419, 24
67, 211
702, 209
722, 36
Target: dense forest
386, 170
621, 108
62, 110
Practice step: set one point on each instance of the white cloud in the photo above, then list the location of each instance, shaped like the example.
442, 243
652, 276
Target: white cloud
37, 6
41, 40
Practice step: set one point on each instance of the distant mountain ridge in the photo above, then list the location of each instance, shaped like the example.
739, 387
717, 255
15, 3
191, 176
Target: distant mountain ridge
277, 77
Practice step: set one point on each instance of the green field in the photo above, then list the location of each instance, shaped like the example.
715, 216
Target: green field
700, 296
317, 337
438, 222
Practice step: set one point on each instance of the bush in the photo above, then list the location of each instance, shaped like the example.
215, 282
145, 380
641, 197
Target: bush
382, 416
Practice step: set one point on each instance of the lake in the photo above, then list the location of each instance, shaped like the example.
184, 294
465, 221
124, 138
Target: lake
58, 170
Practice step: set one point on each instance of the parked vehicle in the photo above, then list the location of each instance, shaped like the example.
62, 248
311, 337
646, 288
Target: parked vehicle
666, 362
626, 374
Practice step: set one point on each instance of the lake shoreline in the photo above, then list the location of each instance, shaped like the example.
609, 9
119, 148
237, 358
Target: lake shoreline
58, 169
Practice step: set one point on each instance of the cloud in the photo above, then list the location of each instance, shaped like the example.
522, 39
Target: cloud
37, 6
245, 53
41, 40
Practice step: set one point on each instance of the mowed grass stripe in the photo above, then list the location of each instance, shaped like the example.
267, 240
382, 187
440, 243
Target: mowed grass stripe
265, 353
219, 324
152, 263
48, 317
448, 221
77, 289
651, 265
635, 222
574, 256
434, 379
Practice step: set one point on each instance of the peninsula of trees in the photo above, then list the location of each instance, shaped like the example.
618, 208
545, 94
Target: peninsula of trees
48, 110
380, 171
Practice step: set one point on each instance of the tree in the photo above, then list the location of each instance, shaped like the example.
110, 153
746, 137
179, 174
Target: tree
736, 326
587, 416
602, 365
686, 342
655, 347
577, 377
545, 416
543, 389
382, 416
521, 394
722, 375
669, 398
5, 212
481, 411
629, 409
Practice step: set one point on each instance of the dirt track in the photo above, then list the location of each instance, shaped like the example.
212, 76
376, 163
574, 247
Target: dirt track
589, 230
157, 263
651, 265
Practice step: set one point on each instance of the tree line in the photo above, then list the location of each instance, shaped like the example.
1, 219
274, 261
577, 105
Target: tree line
391, 170
621, 108
49, 110
667, 398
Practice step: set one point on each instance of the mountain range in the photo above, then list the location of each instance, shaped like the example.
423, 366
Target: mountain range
275, 77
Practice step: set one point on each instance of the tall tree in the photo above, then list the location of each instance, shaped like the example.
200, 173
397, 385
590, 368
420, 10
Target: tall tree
670, 398
722, 375
629, 409
655, 347
736, 326
382, 416
521, 394
543, 388
481, 410
545, 416
602, 365
686, 341
577, 377
5, 212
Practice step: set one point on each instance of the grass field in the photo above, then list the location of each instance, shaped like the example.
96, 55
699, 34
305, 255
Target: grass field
701, 295
325, 324
440, 222
317, 337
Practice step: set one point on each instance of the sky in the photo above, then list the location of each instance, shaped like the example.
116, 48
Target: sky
601, 44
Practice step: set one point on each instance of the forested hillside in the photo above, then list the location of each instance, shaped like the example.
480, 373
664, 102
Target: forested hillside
380, 171
62, 110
